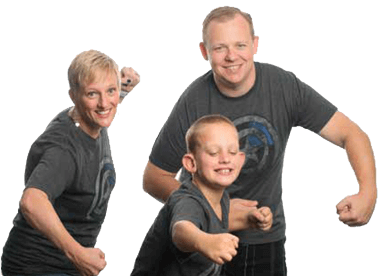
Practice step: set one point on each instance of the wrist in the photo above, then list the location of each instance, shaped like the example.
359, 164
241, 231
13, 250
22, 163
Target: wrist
368, 191
72, 250
200, 241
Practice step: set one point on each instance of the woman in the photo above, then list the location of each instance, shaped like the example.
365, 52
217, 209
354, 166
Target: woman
69, 177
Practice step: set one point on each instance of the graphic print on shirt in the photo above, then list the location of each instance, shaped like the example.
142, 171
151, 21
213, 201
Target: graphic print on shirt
105, 182
259, 141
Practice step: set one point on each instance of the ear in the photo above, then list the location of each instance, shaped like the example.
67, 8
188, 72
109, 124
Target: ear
72, 97
188, 162
255, 44
203, 50
241, 159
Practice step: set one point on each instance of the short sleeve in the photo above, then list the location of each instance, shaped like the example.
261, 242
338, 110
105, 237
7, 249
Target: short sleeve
170, 146
312, 110
189, 209
54, 172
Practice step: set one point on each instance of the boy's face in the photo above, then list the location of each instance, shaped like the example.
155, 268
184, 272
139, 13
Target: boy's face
217, 160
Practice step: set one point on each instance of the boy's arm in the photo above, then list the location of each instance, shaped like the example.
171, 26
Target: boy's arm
219, 248
244, 214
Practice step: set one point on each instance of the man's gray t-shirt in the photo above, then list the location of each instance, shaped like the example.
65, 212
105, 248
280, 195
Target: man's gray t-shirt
264, 117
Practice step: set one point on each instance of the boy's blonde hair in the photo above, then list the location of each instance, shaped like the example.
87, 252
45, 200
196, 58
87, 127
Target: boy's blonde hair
192, 134
223, 14
85, 66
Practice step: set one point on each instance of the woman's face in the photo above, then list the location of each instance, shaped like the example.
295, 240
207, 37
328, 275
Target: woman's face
96, 103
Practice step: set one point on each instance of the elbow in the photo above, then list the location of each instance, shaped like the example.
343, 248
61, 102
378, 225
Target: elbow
181, 238
147, 183
159, 183
30, 201
26, 203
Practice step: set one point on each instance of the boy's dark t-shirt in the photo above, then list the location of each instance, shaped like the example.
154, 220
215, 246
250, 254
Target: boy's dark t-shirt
77, 174
264, 117
158, 254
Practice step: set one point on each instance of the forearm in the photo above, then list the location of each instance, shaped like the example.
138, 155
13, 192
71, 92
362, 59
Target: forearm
186, 236
238, 217
237, 222
341, 131
40, 214
361, 157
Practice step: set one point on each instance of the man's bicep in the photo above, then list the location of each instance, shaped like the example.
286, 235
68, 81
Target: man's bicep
159, 183
337, 129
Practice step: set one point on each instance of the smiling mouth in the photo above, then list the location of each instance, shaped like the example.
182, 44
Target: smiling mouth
224, 171
232, 67
103, 112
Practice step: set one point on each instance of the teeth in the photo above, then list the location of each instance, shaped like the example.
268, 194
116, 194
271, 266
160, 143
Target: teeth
103, 112
224, 171
234, 67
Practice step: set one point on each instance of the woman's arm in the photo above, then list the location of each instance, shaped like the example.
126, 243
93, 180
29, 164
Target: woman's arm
40, 214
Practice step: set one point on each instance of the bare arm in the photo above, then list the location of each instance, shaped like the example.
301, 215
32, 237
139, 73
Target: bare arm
41, 215
244, 214
354, 210
158, 182
219, 248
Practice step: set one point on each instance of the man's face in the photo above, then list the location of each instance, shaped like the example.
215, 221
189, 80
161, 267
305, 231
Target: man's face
230, 48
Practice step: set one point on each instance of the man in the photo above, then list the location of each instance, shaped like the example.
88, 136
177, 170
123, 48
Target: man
264, 102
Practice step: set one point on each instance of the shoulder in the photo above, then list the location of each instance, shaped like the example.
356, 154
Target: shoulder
186, 204
197, 87
60, 133
273, 72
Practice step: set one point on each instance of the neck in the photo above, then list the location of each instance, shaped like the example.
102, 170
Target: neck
77, 119
213, 196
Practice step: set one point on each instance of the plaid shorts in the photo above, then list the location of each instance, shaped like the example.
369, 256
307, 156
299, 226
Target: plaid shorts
258, 260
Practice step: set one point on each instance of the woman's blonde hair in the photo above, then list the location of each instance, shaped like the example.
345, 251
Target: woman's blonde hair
86, 65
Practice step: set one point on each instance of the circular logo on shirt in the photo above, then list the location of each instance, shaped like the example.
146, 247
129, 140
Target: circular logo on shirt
259, 141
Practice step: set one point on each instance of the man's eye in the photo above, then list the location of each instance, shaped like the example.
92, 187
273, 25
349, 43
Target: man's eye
218, 49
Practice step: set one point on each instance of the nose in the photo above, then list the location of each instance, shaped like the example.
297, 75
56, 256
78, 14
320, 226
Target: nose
231, 54
224, 158
103, 100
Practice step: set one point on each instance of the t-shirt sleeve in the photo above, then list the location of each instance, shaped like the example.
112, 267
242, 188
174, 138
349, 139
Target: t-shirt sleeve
188, 209
54, 173
312, 111
170, 145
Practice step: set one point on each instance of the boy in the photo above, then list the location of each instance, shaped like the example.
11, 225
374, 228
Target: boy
189, 236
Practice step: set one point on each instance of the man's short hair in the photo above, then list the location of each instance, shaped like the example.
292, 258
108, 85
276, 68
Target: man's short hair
223, 14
